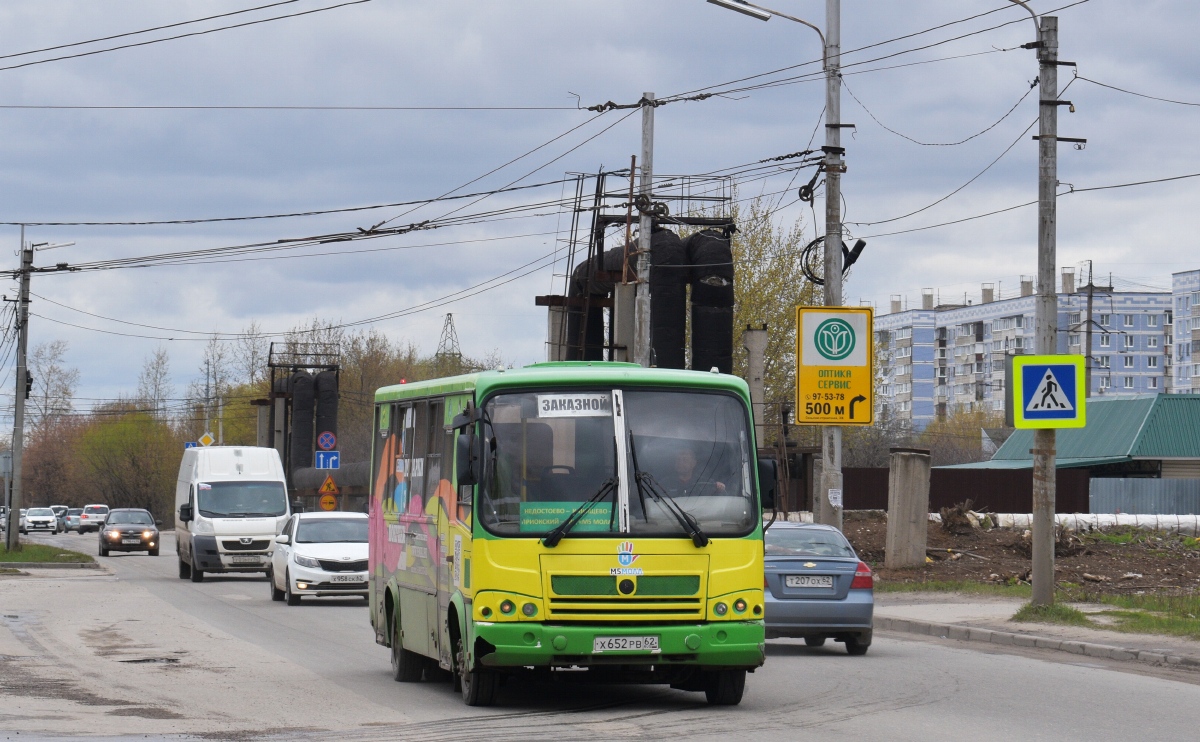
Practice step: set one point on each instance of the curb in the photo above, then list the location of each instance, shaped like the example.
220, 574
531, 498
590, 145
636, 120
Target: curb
991, 636
50, 565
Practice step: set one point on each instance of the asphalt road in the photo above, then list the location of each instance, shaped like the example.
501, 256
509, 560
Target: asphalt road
905, 688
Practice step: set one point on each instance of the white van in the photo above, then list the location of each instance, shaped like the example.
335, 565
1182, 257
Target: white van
230, 503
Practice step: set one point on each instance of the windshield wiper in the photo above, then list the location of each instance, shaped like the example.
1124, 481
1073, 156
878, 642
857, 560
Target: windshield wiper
608, 486
647, 484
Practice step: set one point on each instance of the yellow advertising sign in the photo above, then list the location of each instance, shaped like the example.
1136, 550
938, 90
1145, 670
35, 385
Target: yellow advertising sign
835, 366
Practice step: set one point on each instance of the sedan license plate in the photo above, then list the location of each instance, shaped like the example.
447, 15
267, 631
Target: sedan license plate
131, 541
825, 581
625, 644
346, 578
243, 559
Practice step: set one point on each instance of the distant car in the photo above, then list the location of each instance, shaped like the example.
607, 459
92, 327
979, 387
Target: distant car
322, 554
817, 588
92, 518
129, 529
39, 519
60, 512
71, 520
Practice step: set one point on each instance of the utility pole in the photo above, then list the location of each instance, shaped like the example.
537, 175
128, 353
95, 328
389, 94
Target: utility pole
831, 436
641, 308
12, 541
1046, 317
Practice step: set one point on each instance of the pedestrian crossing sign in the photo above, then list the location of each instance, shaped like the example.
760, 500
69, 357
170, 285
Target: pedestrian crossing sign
1049, 392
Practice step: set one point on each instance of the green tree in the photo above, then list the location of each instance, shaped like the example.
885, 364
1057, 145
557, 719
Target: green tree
131, 459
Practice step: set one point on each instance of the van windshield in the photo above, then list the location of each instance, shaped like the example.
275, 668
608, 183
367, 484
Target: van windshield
241, 499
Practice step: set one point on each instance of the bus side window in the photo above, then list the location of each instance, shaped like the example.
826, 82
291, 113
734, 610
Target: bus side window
434, 471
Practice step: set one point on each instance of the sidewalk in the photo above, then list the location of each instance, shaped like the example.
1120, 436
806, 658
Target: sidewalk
986, 619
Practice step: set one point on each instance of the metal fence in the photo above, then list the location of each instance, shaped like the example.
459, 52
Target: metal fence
1145, 496
997, 490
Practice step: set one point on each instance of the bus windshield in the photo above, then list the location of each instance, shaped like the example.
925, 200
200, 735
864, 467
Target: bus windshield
548, 453
241, 499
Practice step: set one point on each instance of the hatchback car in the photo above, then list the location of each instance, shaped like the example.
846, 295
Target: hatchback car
39, 519
71, 520
817, 588
92, 518
129, 529
322, 554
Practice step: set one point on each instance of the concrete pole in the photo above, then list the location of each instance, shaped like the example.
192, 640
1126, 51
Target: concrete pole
908, 509
12, 542
831, 436
755, 343
1046, 318
641, 310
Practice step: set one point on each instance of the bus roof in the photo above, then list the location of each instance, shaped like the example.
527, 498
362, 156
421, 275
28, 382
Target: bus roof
565, 373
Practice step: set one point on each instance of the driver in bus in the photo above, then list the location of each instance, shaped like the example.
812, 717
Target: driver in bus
687, 479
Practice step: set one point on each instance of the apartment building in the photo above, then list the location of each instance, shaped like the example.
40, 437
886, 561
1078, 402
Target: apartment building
1185, 299
943, 357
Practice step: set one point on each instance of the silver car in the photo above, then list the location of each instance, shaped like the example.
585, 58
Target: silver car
39, 519
817, 588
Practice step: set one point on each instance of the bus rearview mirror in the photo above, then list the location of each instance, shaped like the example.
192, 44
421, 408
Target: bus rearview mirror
466, 459
768, 482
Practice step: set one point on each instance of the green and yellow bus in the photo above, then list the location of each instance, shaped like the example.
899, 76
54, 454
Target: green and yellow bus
569, 516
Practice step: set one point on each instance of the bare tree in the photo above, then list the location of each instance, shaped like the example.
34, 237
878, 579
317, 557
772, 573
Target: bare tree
250, 355
53, 384
154, 382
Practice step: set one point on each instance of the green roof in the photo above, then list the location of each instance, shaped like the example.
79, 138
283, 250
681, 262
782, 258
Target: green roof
1146, 426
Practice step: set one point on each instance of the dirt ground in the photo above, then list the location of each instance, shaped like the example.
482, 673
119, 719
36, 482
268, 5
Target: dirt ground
1113, 562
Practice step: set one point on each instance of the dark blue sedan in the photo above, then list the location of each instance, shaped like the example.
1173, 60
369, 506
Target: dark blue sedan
817, 588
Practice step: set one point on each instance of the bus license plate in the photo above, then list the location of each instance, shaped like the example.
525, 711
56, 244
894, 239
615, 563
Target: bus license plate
242, 559
809, 581
346, 578
625, 644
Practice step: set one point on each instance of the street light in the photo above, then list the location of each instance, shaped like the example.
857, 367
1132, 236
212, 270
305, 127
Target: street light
831, 436
764, 14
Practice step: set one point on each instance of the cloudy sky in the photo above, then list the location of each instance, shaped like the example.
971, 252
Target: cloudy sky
114, 151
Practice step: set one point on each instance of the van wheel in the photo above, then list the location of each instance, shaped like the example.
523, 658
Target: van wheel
478, 686
814, 641
184, 570
197, 574
406, 665
725, 687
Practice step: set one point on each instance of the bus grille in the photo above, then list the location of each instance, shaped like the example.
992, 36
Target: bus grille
596, 597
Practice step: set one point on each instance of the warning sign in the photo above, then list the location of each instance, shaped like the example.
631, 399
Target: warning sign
835, 372
1048, 395
329, 487
1048, 392
328, 502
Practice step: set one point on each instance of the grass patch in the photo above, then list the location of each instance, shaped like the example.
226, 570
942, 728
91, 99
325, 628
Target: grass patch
954, 586
1172, 615
1054, 613
42, 554
9, 571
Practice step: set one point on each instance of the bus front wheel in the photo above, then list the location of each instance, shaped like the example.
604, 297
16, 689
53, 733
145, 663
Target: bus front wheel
725, 687
478, 686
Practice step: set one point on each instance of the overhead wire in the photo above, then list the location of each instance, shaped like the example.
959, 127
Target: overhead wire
146, 30
182, 36
964, 185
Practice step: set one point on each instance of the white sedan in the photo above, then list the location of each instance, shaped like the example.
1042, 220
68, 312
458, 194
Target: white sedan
321, 554
39, 519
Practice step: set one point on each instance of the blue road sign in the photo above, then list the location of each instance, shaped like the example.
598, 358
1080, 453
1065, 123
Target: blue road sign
190, 444
326, 441
328, 460
1048, 392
